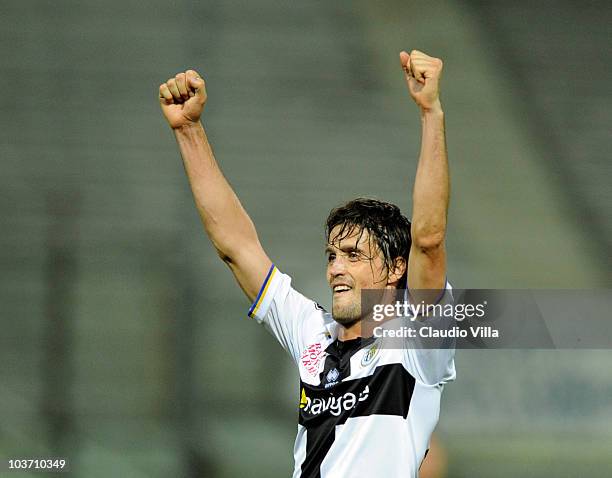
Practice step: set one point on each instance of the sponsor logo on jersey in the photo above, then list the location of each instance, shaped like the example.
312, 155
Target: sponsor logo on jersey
368, 357
332, 377
333, 405
303, 399
311, 358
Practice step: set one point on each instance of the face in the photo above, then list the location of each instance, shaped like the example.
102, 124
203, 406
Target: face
354, 263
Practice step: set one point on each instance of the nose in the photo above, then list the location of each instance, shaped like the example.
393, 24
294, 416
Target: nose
337, 266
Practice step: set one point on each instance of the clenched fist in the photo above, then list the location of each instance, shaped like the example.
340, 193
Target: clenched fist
182, 99
422, 73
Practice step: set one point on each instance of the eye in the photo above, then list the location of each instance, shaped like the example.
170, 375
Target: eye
354, 256
330, 257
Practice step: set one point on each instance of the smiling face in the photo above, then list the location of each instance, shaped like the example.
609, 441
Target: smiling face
354, 263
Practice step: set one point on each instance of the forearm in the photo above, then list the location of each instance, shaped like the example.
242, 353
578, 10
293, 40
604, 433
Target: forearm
431, 187
226, 222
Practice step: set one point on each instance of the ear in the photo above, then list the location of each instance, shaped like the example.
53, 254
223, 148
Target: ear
397, 272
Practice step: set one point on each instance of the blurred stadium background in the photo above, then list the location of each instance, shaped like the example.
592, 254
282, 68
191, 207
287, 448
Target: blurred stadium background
125, 344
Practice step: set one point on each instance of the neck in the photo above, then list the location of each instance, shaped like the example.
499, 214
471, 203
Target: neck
349, 332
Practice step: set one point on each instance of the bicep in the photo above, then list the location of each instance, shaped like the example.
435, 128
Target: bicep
427, 272
250, 267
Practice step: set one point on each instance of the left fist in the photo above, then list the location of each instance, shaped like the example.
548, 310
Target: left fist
423, 73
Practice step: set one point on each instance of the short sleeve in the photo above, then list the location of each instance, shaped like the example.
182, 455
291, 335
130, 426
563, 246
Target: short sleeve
283, 311
433, 366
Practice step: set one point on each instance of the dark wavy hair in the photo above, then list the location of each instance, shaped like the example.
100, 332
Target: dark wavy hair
383, 221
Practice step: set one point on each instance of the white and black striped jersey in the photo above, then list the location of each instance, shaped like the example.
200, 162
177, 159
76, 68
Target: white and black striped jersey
364, 410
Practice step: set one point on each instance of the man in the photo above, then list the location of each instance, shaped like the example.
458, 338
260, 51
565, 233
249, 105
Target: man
365, 410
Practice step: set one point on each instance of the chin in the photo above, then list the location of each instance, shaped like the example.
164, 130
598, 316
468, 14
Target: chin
346, 315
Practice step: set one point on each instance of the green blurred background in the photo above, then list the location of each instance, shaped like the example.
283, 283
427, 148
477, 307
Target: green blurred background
125, 344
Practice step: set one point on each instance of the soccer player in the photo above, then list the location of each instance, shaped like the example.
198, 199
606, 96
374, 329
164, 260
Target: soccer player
364, 410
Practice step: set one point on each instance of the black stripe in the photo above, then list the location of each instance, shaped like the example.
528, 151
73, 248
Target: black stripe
387, 391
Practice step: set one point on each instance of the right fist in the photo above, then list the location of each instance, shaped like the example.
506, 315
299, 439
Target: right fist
182, 99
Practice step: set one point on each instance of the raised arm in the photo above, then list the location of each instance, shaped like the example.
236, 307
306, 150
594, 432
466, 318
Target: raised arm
427, 261
227, 224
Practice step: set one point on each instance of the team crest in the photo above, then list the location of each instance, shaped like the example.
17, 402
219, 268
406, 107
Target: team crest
369, 355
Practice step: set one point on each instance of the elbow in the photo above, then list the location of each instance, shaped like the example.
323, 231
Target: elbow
224, 257
228, 253
428, 239
225, 249
234, 252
